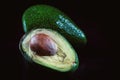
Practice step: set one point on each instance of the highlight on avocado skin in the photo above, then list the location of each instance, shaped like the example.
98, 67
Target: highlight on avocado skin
62, 56
45, 16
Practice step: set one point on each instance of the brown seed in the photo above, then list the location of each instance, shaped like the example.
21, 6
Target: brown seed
43, 45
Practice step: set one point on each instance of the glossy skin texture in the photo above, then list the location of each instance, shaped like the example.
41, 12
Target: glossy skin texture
43, 45
44, 16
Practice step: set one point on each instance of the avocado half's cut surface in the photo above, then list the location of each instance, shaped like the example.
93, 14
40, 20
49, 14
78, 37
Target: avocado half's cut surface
45, 16
64, 58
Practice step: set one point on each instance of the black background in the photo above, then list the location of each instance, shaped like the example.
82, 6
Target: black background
95, 18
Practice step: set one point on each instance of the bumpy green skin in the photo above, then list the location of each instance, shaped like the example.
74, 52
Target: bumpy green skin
44, 16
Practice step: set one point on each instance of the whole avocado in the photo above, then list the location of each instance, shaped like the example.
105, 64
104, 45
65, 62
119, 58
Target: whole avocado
45, 16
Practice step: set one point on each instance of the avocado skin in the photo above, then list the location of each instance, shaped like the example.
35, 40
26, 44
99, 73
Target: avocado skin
73, 69
45, 16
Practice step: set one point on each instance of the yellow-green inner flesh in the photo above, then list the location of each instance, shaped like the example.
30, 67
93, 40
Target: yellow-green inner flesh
63, 60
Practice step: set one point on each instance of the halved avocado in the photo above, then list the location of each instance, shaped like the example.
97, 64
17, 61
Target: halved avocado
45, 16
64, 58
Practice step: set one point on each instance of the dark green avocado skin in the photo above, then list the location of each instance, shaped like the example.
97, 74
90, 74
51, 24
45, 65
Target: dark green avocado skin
44, 16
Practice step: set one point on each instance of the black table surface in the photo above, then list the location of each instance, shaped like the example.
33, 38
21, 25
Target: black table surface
93, 17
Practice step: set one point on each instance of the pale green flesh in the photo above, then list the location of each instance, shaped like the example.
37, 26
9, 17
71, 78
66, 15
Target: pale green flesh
63, 60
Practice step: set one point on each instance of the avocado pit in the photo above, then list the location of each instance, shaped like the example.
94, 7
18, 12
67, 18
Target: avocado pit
43, 45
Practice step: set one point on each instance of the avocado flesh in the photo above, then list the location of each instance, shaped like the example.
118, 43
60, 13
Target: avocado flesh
65, 59
45, 16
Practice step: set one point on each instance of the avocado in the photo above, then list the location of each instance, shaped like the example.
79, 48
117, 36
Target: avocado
45, 16
49, 48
